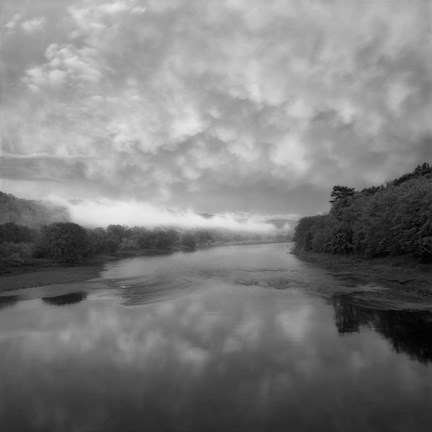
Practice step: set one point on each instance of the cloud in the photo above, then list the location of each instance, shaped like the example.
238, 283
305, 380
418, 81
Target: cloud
33, 25
66, 68
217, 105
41, 167
12, 23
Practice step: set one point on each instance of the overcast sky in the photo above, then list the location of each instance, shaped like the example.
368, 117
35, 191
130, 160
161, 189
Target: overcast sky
220, 106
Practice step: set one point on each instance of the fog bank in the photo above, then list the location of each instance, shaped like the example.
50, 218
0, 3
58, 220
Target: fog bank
105, 212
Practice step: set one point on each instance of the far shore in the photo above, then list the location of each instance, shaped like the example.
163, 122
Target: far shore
45, 272
400, 272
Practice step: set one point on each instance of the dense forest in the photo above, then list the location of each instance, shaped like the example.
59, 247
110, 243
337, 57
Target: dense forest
67, 242
391, 219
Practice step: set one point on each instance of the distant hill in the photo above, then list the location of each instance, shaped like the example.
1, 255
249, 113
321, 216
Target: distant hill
34, 214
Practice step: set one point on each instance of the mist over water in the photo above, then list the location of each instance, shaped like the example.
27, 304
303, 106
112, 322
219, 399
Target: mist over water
133, 213
231, 338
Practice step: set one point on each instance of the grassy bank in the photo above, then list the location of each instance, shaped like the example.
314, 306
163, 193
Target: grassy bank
402, 273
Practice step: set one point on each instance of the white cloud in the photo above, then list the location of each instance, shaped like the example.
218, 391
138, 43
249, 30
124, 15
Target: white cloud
33, 25
13, 22
113, 8
289, 151
66, 66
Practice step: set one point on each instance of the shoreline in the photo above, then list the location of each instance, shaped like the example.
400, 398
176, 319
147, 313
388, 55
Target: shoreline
53, 275
45, 272
402, 274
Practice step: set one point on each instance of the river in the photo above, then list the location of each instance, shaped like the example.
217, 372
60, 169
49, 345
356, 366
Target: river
236, 338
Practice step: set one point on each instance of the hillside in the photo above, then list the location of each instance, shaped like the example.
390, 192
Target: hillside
34, 214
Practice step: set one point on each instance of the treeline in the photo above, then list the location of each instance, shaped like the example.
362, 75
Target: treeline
67, 242
30, 213
31, 231
391, 219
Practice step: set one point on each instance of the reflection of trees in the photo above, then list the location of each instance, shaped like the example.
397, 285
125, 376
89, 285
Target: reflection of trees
8, 301
347, 317
409, 332
65, 299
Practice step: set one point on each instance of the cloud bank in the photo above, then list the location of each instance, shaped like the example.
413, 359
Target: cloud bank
213, 105
133, 213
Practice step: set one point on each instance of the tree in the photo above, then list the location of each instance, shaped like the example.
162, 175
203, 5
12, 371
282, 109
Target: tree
188, 242
203, 237
64, 242
98, 241
128, 244
341, 194
116, 231
424, 170
11, 232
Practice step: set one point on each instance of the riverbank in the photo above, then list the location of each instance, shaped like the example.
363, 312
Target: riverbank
43, 272
30, 277
401, 273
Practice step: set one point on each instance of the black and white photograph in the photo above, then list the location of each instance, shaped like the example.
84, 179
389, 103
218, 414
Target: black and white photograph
216, 215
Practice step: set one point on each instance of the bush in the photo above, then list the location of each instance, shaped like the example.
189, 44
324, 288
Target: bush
15, 254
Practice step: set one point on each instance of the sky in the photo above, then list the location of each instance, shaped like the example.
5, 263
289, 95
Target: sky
217, 106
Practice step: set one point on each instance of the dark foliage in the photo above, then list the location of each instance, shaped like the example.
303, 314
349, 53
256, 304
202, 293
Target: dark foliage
188, 242
341, 194
64, 242
15, 255
424, 170
395, 219
11, 232
119, 238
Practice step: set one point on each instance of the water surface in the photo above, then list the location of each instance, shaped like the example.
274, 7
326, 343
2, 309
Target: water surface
240, 338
